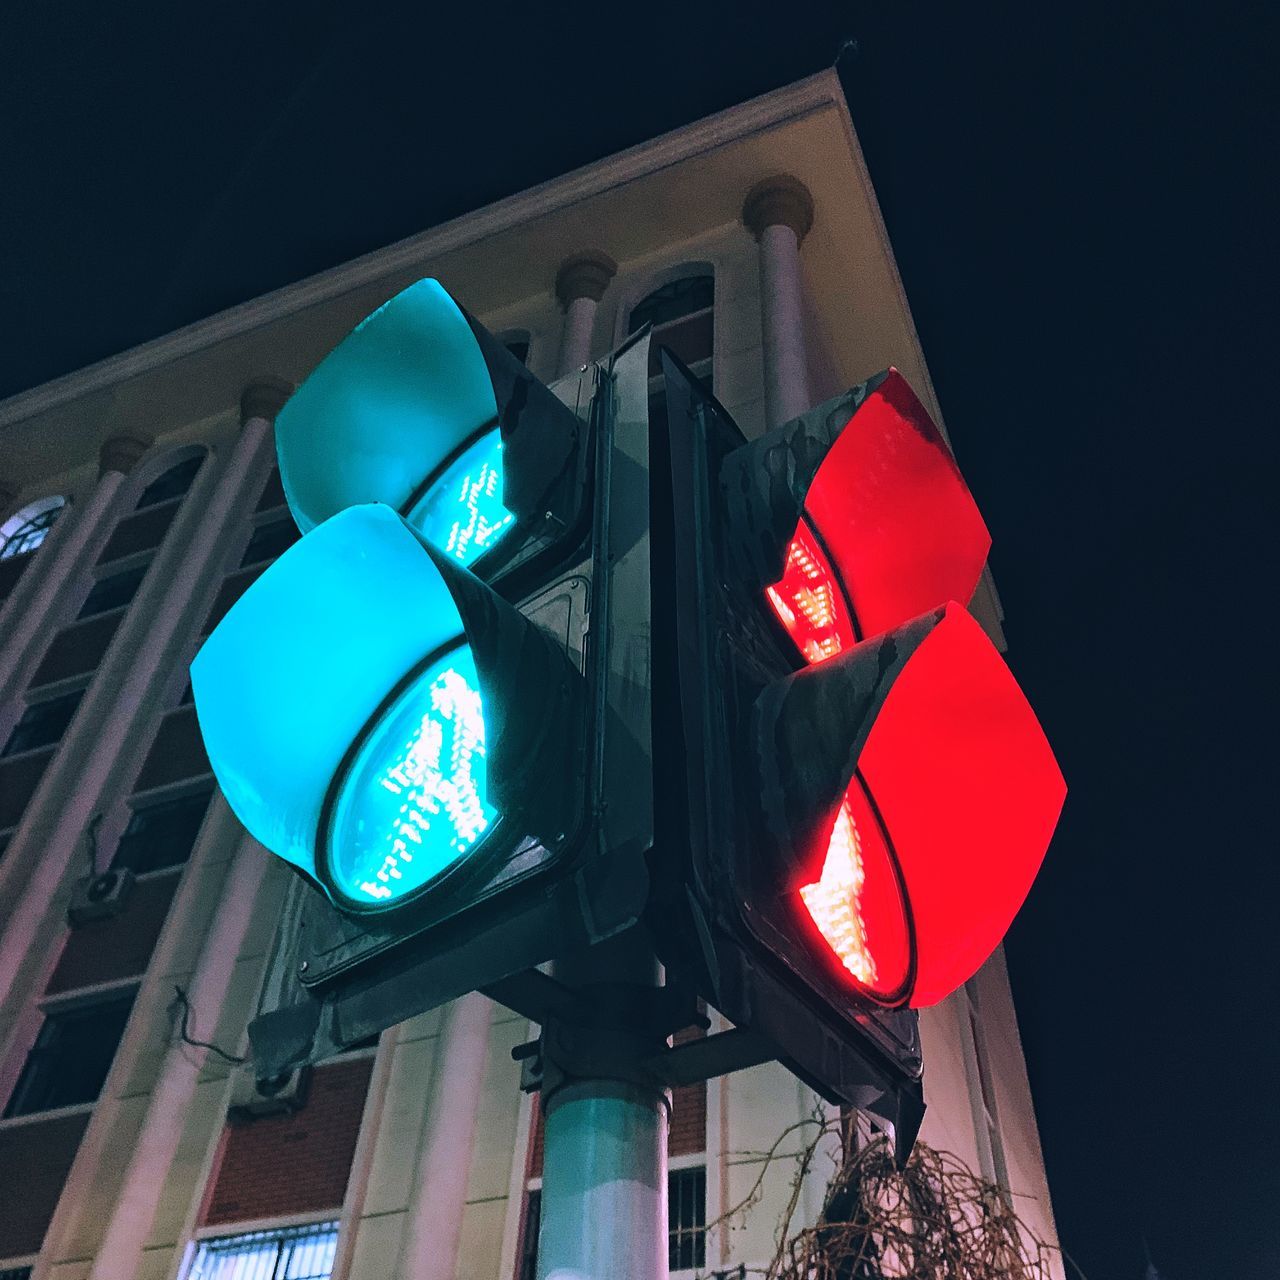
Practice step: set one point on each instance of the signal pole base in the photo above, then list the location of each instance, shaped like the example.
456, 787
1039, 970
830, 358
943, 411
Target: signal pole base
606, 1115
604, 1185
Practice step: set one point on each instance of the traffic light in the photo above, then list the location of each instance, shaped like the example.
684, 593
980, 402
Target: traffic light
868, 793
405, 706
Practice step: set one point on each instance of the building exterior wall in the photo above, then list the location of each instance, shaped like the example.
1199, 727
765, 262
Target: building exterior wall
351, 1154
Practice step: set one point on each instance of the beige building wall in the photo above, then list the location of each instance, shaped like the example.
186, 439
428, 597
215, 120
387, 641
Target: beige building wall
659, 211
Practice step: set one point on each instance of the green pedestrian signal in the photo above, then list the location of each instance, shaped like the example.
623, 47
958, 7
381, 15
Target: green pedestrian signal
421, 705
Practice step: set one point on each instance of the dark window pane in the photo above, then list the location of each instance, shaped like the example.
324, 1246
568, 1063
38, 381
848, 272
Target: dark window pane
71, 1057
30, 534
528, 1269
42, 723
161, 835
269, 541
686, 1219
171, 484
679, 298
114, 590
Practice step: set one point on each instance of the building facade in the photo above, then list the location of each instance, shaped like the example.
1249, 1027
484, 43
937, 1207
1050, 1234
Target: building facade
138, 499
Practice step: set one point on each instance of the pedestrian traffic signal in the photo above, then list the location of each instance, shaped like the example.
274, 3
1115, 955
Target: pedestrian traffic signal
404, 706
869, 795
370, 709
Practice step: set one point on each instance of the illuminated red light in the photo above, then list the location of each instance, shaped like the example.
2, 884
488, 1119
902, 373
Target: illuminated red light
809, 602
856, 903
891, 509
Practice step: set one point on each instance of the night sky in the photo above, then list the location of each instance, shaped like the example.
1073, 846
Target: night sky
1080, 209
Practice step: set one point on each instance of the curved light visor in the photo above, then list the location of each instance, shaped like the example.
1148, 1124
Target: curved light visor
413, 801
379, 414
307, 659
969, 792
893, 512
462, 512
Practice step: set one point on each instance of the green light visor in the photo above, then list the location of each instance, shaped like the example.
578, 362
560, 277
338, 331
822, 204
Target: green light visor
341, 710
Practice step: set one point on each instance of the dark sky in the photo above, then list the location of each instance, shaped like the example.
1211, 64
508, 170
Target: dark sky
1079, 204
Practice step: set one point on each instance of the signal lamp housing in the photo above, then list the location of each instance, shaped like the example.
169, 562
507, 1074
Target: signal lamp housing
422, 409
865, 487
918, 751
371, 710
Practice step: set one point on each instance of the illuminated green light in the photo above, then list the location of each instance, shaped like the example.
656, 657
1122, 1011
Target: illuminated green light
306, 660
413, 800
462, 513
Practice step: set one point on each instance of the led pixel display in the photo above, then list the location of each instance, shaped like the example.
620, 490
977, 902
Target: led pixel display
809, 601
462, 513
413, 801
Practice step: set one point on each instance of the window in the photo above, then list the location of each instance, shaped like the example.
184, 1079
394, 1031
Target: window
15, 1273
270, 540
519, 347
172, 483
982, 1094
42, 723
163, 834
25, 530
71, 1056
686, 1219
294, 1253
682, 315
674, 301
527, 1266
113, 591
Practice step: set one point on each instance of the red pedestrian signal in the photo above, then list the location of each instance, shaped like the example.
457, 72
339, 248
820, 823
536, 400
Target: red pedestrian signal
869, 793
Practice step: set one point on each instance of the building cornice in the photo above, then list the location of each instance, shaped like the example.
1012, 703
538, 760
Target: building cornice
734, 124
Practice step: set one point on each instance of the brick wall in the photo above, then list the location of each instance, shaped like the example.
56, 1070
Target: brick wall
298, 1163
119, 946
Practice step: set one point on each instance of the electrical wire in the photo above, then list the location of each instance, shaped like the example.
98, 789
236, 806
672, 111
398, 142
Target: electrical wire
186, 1038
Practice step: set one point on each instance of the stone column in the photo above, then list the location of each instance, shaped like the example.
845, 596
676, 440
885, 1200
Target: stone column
434, 1230
122, 696
119, 1257
779, 213
77, 534
580, 284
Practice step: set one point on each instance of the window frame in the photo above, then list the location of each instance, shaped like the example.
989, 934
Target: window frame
158, 797
267, 519
294, 1224
114, 569
48, 693
160, 468
54, 506
55, 1006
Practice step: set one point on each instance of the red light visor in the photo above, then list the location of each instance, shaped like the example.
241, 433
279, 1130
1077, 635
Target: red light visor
969, 792
896, 522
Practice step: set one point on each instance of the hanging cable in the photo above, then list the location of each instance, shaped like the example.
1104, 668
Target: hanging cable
92, 831
186, 1038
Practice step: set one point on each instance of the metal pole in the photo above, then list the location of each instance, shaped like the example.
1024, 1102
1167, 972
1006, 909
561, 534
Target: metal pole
604, 1178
